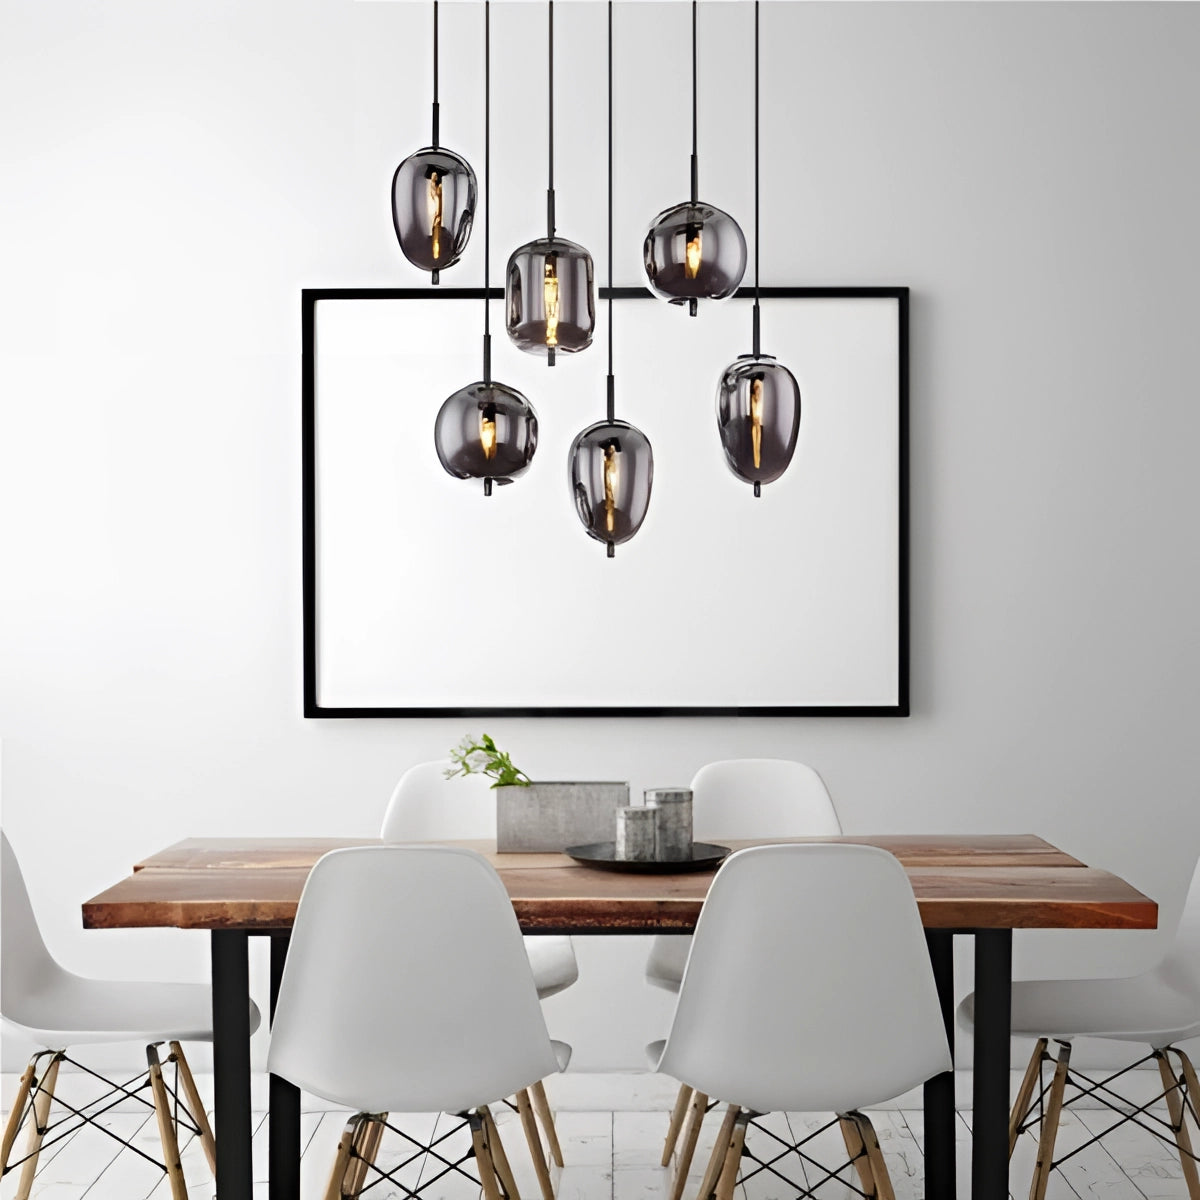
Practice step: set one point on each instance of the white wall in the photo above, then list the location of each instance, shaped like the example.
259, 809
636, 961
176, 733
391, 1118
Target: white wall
175, 174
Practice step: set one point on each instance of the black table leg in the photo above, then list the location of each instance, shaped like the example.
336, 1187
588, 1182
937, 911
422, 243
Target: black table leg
939, 1091
284, 1128
231, 1062
993, 1024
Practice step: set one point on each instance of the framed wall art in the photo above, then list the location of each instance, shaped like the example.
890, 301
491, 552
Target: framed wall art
423, 597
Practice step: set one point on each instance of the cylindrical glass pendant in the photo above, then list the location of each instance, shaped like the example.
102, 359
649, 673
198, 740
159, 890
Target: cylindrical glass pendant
758, 415
433, 207
693, 252
611, 473
486, 431
550, 298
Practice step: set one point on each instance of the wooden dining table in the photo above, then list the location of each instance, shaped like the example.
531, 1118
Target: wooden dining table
980, 887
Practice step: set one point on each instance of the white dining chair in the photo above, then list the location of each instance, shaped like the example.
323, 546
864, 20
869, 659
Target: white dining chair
407, 990
735, 798
57, 1010
783, 1012
1159, 1008
425, 806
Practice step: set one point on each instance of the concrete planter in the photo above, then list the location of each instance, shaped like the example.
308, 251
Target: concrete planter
551, 816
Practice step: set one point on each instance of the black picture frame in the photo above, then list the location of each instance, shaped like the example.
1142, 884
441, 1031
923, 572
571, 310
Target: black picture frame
310, 297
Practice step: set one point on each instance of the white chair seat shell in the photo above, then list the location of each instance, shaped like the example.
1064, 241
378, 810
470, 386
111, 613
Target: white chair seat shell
667, 960
1141, 1008
553, 963
425, 806
57, 1009
809, 986
80, 1012
746, 798
1158, 1007
407, 987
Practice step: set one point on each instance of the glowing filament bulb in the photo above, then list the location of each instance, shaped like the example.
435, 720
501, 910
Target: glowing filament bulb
550, 299
691, 261
435, 211
756, 418
487, 431
611, 481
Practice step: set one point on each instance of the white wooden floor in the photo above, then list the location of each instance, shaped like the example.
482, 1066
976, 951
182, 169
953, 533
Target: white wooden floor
611, 1155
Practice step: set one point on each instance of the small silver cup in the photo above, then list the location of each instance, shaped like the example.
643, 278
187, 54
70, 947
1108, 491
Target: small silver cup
673, 824
636, 834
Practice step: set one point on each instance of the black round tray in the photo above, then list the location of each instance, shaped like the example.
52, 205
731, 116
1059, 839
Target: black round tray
603, 856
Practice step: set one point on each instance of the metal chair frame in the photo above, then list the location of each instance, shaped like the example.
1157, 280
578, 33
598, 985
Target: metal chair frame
39, 1082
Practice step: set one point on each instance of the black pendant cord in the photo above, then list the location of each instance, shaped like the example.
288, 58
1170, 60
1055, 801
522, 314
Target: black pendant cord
550, 78
695, 109
612, 390
757, 237
487, 188
436, 112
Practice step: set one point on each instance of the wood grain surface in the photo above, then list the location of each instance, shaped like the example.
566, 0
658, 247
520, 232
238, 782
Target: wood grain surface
961, 882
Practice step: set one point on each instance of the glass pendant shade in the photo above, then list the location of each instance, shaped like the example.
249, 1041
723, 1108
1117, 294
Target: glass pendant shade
486, 431
550, 297
758, 415
433, 207
693, 252
611, 474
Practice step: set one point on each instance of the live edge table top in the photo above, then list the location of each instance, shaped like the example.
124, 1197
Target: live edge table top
982, 881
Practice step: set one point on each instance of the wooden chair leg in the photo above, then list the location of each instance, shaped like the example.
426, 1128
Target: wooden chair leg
1024, 1101
341, 1163
733, 1159
677, 1115
365, 1150
716, 1160
13, 1126
857, 1149
541, 1106
883, 1179
1049, 1134
499, 1158
483, 1159
37, 1126
195, 1105
1183, 1139
166, 1125
529, 1122
687, 1149
1193, 1084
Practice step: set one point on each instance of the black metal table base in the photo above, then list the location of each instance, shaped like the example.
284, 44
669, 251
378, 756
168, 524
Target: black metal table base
989, 1161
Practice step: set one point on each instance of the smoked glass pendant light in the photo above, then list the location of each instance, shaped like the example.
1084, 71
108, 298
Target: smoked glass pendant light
433, 197
549, 296
486, 430
758, 399
611, 469
694, 251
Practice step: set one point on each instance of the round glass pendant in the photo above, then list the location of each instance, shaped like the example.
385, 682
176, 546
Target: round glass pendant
486, 431
550, 298
758, 415
433, 207
694, 252
611, 474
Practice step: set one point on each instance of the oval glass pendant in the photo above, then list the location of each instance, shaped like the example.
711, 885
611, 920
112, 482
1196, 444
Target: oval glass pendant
758, 415
550, 298
433, 207
611, 473
694, 252
486, 431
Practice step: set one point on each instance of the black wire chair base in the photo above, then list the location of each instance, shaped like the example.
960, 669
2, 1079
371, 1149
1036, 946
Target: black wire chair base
848, 1175
1078, 1087
361, 1165
75, 1118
